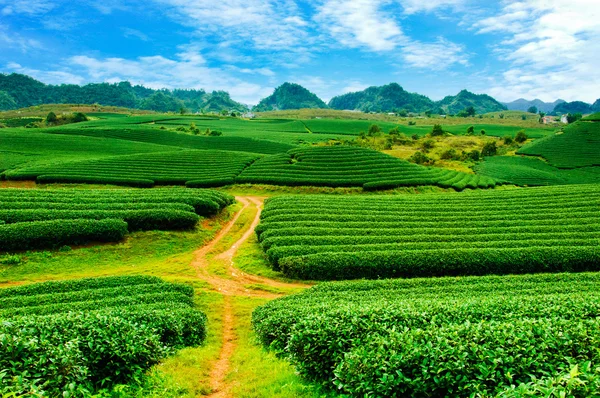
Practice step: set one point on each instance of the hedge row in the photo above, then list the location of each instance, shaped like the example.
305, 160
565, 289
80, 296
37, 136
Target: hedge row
535, 230
353, 167
436, 336
56, 233
137, 220
92, 333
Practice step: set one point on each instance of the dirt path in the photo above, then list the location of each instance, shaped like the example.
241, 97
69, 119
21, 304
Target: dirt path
219, 271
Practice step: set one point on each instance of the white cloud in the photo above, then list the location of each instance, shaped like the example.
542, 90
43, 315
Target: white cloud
265, 24
416, 6
129, 33
553, 48
353, 86
436, 56
360, 23
28, 7
50, 77
13, 40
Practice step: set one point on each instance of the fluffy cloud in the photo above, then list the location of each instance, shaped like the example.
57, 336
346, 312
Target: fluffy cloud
415, 6
553, 48
28, 7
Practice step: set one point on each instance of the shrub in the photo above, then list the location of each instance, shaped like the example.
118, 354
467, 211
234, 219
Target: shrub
489, 149
428, 145
521, 137
449, 154
419, 158
437, 130
508, 140
471, 130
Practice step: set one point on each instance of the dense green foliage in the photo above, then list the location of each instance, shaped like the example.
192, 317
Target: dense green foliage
578, 145
34, 219
343, 166
389, 98
526, 171
26, 91
481, 102
289, 96
72, 338
523, 231
572, 107
141, 133
165, 168
473, 336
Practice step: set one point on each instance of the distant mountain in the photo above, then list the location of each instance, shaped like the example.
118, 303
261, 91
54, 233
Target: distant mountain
572, 107
389, 98
596, 106
523, 105
20, 91
289, 96
482, 103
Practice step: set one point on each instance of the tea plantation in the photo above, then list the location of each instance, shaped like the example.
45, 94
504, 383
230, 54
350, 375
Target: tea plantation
508, 232
461, 337
75, 337
34, 219
353, 167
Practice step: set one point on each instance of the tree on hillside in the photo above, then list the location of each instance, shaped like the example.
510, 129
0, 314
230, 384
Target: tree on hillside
51, 118
532, 109
467, 112
7, 102
374, 130
521, 137
437, 130
489, 149
471, 130
573, 117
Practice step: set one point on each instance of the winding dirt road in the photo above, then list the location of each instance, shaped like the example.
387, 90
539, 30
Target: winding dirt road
230, 282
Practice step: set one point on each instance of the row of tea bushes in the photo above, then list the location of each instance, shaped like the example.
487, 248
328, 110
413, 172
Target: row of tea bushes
550, 229
87, 340
469, 336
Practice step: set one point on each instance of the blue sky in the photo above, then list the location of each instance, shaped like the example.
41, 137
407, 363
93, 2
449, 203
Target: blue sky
545, 49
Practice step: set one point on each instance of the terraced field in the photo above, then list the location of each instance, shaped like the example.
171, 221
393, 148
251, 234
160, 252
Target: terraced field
552, 229
73, 337
577, 146
353, 167
33, 219
527, 171
142, 133
202, 168
510, 336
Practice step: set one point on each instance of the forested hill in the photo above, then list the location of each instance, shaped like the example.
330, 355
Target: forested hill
289, 96
389, 98
524, 105
20, 91
482, 103
393, 98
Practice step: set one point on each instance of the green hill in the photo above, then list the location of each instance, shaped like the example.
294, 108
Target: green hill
482, 103
572, 107
523, 105
21, 91
289, 96
389, 98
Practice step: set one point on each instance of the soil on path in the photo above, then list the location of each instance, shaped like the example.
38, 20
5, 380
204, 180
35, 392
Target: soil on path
232, 282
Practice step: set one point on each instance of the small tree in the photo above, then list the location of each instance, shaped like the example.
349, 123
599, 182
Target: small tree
521, 137
501, 116
403, 113
573, 117
224, 112
523, 117
374, 130
428, 145
182, 110
79, 117
419, 158
450, 154
437, 130
508, 140
482, 132
532, 109
489, 149
474, 155
471, 130
51, 118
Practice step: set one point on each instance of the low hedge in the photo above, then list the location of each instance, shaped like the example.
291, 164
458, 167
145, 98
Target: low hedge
209, 183
144, 220
480, 359
77, 179
443, 262
56, 233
